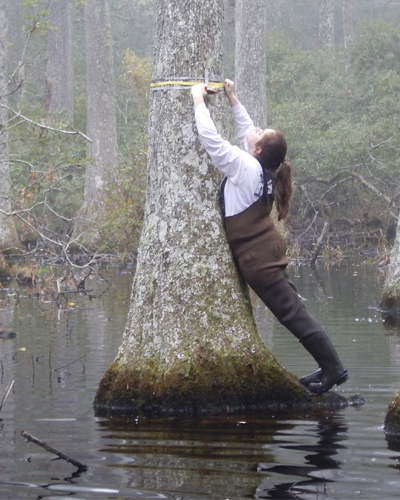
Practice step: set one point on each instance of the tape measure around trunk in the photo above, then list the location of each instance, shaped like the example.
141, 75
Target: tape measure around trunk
183, 84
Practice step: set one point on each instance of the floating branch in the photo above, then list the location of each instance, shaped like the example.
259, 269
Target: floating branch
8, 390
81, 466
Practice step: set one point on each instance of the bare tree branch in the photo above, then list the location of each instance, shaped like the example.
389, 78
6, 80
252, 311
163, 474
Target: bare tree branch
375, 146
319, 244
377, 192
46, 127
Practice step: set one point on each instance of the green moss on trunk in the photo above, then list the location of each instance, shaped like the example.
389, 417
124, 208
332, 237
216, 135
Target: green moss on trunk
391, 299
5, 271
213, 383
392, 420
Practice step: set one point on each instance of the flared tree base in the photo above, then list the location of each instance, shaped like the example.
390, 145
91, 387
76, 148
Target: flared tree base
392, 420
208, 384
390, 300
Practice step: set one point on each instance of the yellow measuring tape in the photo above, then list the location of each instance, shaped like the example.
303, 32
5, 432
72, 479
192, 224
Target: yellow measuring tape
184, 83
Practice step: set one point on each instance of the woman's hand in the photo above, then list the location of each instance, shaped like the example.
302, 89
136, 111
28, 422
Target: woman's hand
233, 100
198, 93
229, 87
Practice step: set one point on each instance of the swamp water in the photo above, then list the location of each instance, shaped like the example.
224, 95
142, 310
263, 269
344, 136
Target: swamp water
58, 357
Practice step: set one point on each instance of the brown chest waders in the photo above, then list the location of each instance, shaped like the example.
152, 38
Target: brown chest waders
260, 253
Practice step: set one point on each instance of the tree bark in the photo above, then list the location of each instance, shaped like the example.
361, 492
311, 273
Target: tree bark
8, 234
251, 58
229, 39
251, 71
391, 289
101, 120
190, 343
326, 24
60, 61
348, 22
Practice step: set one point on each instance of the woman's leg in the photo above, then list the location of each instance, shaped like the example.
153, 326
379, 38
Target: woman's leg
281, 297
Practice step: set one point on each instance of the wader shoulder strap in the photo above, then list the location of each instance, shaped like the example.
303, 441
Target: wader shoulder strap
221, 196
267, 178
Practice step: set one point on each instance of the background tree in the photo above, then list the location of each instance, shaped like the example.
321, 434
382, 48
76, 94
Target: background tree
60, 61
190, 341
8, 235
251, 58
348, 22
326, 24
132, 26
391, 290
251, 75
101, 119
297, 20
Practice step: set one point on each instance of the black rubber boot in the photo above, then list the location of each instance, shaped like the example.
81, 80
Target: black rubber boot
314, 377
333, 372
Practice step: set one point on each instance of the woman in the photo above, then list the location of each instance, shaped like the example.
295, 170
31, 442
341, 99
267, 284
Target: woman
255, 178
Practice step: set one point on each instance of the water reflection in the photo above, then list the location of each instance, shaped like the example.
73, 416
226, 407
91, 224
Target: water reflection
330, 430
211, 457
391, 321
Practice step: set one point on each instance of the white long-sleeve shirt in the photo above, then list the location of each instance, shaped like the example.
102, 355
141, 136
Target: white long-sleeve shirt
245, 175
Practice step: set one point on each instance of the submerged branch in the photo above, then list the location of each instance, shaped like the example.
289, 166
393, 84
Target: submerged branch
7, 393
69, 364
81, 466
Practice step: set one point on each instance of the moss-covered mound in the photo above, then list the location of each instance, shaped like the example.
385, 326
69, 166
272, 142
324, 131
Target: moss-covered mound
392, 420
390, 300
211, 385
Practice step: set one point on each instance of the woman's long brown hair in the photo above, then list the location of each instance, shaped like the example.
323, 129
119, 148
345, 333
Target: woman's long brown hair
272, 159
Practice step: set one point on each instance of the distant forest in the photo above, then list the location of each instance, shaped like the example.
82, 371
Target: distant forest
74, 92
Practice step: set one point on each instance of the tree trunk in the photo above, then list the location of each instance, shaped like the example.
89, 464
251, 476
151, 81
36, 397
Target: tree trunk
326, 24
190, 342
391, 289
101, 119
348, 22
8, 234
60, 61
251, 71
251, 58
229, 39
